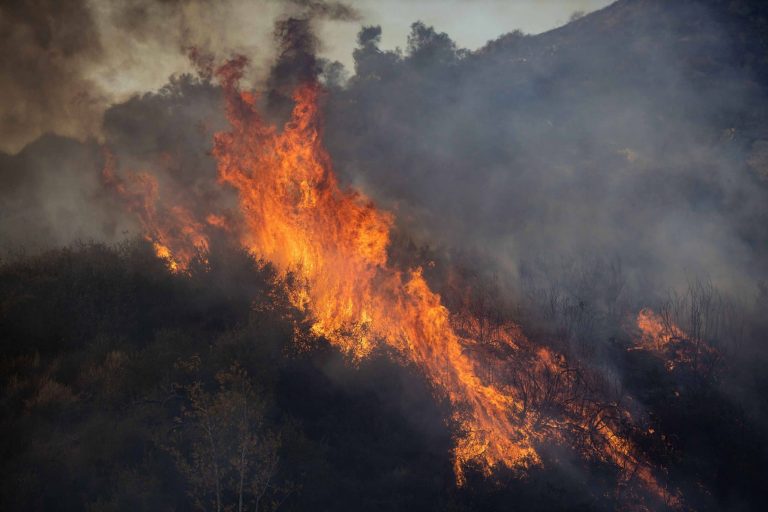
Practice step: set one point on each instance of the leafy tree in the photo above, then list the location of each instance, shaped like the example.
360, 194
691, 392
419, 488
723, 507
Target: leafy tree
223, 448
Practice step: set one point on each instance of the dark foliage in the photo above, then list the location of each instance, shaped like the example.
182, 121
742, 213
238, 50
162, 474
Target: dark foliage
95, 361
103, 348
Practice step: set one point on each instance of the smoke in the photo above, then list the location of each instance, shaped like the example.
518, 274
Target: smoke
96, 73
629, 135
296, 63
626, 135
616, 158
46, 47
327, 10
606, 140
64, 64
47, 200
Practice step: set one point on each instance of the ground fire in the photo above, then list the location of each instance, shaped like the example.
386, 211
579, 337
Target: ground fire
663, 338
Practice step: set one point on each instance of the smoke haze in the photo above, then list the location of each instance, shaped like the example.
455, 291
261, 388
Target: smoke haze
630, 134
615, 163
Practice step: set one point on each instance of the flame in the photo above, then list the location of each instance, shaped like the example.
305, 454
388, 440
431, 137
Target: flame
662, 337
335, 240
509, 396
656, 333
176, 236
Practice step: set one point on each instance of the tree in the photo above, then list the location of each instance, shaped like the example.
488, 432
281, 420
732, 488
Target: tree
224, 448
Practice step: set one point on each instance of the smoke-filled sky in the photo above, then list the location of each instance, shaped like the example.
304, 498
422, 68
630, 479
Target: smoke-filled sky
634, 133
64, 63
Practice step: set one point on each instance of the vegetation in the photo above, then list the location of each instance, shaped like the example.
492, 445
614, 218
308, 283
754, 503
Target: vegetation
127, 387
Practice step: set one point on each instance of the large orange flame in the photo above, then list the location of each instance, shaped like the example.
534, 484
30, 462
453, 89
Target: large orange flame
335, 240
509, 395
299, 218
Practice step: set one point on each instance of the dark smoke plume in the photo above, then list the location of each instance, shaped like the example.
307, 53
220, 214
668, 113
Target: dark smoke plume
46, 48
328, 10
50, 201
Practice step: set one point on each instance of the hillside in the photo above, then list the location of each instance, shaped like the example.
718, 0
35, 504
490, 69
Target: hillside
531, 276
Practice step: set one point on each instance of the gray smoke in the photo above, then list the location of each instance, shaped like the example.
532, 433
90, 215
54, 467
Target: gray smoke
57, 119
633, 134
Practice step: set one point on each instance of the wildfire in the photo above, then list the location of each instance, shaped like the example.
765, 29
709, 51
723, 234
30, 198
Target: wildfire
656, 333
509, 396
335, 240
662, 337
